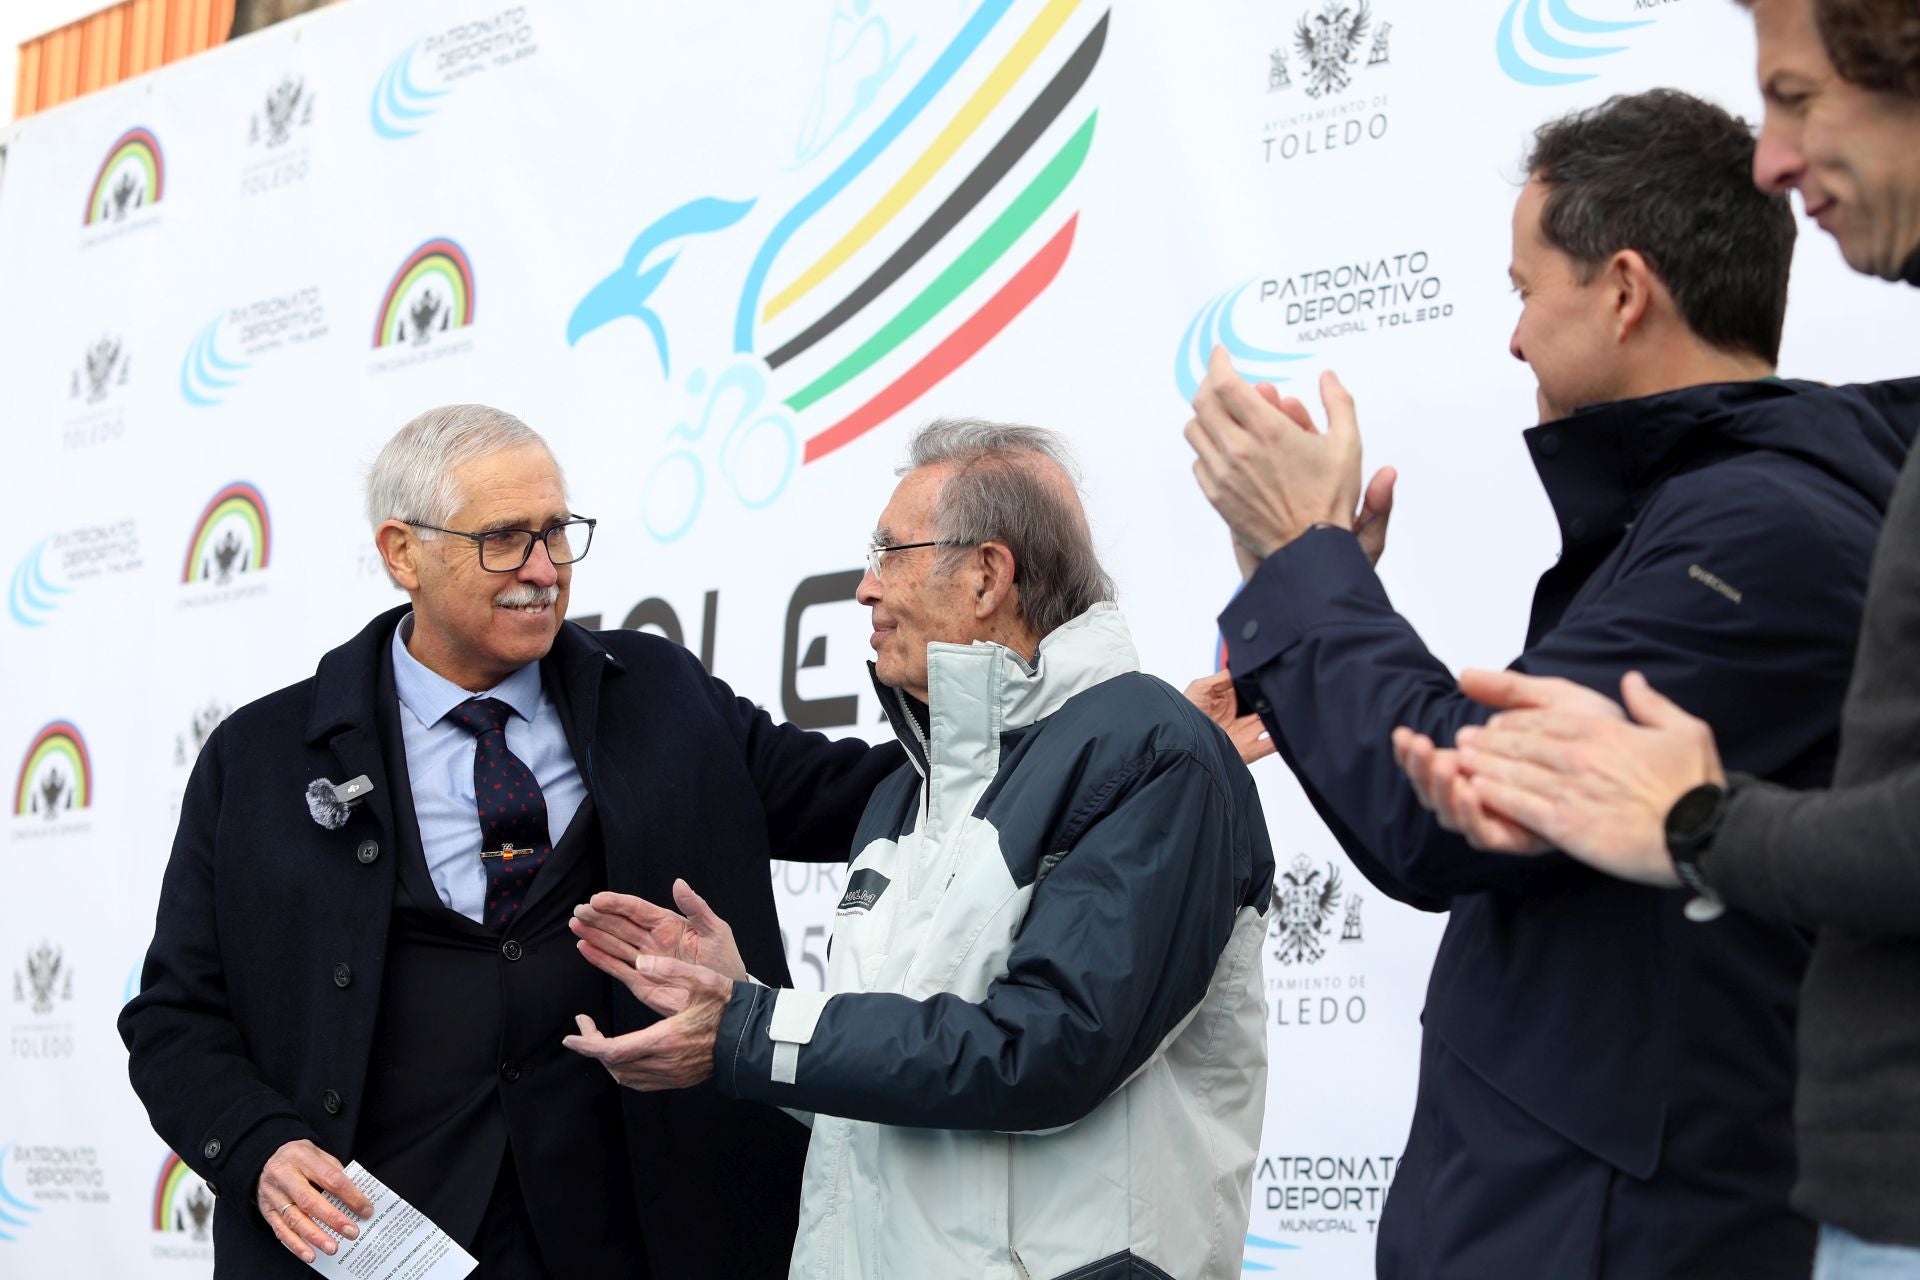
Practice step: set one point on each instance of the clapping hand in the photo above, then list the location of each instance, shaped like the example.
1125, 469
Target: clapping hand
615, 928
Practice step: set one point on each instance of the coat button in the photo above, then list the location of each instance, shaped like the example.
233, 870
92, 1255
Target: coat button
367, 852
342, 974
511, 949
510, 1070
331, 1101
212, 1149
1548, 444
1577, 527
1250, 629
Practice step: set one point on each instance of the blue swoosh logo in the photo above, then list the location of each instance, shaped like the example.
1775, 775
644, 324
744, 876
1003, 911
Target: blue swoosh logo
205, 374
11, 1206
1213, 326
1527, 48
398, 103
1263, 1244
30, 597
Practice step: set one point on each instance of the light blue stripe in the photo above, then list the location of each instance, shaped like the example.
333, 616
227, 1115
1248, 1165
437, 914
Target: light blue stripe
989, 13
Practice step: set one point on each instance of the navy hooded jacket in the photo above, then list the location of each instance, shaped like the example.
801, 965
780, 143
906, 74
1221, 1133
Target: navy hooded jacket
1716, 538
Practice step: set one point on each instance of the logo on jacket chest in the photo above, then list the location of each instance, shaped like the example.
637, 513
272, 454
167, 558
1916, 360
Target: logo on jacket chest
864, 888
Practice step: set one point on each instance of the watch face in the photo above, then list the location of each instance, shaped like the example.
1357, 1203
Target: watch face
1693, 811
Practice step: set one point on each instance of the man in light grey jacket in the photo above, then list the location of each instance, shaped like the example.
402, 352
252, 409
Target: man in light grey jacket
1041, 1050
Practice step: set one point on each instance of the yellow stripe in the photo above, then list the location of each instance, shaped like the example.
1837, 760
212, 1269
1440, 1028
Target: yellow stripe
958, 130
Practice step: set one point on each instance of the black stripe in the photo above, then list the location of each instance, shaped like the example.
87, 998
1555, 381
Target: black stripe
1016, 142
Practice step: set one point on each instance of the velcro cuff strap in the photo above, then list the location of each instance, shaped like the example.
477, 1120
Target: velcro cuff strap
795, 1015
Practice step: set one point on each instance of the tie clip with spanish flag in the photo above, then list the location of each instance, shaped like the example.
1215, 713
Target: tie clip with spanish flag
506, 853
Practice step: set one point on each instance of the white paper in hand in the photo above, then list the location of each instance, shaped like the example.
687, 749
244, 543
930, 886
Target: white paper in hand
397, 1243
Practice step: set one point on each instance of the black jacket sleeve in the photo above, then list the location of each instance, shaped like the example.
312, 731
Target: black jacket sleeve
1848, 858
1117, 949
187, 1060
1318, 650
812, 787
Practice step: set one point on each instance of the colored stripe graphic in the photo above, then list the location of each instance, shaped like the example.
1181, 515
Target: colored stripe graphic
959, 347
137, 143
438, 257
973, 263
965, 123
173, 1172
59, 740
983, 20
243, 500
1007, 152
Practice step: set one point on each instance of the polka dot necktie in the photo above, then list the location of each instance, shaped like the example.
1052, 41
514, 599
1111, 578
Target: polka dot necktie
513, 814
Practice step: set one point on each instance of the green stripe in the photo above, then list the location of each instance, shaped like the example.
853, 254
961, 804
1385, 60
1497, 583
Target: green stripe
972, 263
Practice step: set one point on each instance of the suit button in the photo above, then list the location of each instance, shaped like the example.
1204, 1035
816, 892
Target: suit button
367, 852
212, 1149
511, 949
1261, 707
331, 1101
342, 974
1577, 527
510, 1070
1548, 444
1250, 629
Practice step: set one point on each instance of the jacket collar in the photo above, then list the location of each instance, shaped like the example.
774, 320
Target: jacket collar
1600, 464
979, 691
347, 682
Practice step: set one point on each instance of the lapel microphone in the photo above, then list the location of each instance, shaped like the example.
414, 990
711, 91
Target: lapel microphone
331, 804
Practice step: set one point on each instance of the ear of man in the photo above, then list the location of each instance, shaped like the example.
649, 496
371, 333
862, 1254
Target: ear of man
399, 549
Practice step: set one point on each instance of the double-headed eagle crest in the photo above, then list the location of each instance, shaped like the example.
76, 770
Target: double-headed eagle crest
45, 972
1328, 41
1304, 902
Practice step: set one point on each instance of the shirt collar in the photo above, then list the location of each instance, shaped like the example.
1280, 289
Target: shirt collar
430, 695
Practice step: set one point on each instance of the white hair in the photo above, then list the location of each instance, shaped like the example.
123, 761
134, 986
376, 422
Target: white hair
412, 479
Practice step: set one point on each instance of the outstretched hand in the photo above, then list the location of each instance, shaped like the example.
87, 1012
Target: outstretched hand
676, 1051
615, 928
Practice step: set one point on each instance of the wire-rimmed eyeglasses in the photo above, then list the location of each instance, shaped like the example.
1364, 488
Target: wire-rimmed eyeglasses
878, 552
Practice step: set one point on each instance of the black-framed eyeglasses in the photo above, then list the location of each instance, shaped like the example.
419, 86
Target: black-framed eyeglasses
878, 552
505, 550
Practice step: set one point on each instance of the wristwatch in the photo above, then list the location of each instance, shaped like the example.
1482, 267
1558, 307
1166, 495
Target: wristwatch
1691, 826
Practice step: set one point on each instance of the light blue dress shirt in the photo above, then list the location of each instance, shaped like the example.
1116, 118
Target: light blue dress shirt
440, 766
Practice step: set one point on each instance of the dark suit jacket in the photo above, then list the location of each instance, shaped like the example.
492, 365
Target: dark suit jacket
255, 1020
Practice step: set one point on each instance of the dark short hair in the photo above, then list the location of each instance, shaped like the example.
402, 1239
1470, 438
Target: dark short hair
1671, 177
1872, 43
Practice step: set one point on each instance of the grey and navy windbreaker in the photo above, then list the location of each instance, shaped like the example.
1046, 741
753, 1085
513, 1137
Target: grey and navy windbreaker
1042, 1049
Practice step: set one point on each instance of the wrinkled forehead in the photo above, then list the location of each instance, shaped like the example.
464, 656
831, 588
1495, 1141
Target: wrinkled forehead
908, 515
522, 482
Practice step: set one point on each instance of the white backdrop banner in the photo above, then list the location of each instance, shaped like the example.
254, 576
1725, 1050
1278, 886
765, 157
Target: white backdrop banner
726, 257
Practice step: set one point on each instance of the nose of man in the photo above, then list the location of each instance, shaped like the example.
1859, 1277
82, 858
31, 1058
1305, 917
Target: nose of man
1777, 163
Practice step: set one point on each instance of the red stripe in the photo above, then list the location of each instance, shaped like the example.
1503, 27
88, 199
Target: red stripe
955, 350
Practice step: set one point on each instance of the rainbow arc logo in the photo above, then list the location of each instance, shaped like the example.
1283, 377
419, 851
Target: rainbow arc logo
431, 293
56, 774
180, 1200
132, 175
233, 535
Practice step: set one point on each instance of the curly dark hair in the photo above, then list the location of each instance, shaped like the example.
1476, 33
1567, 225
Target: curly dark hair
1872, 43
1671, 177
